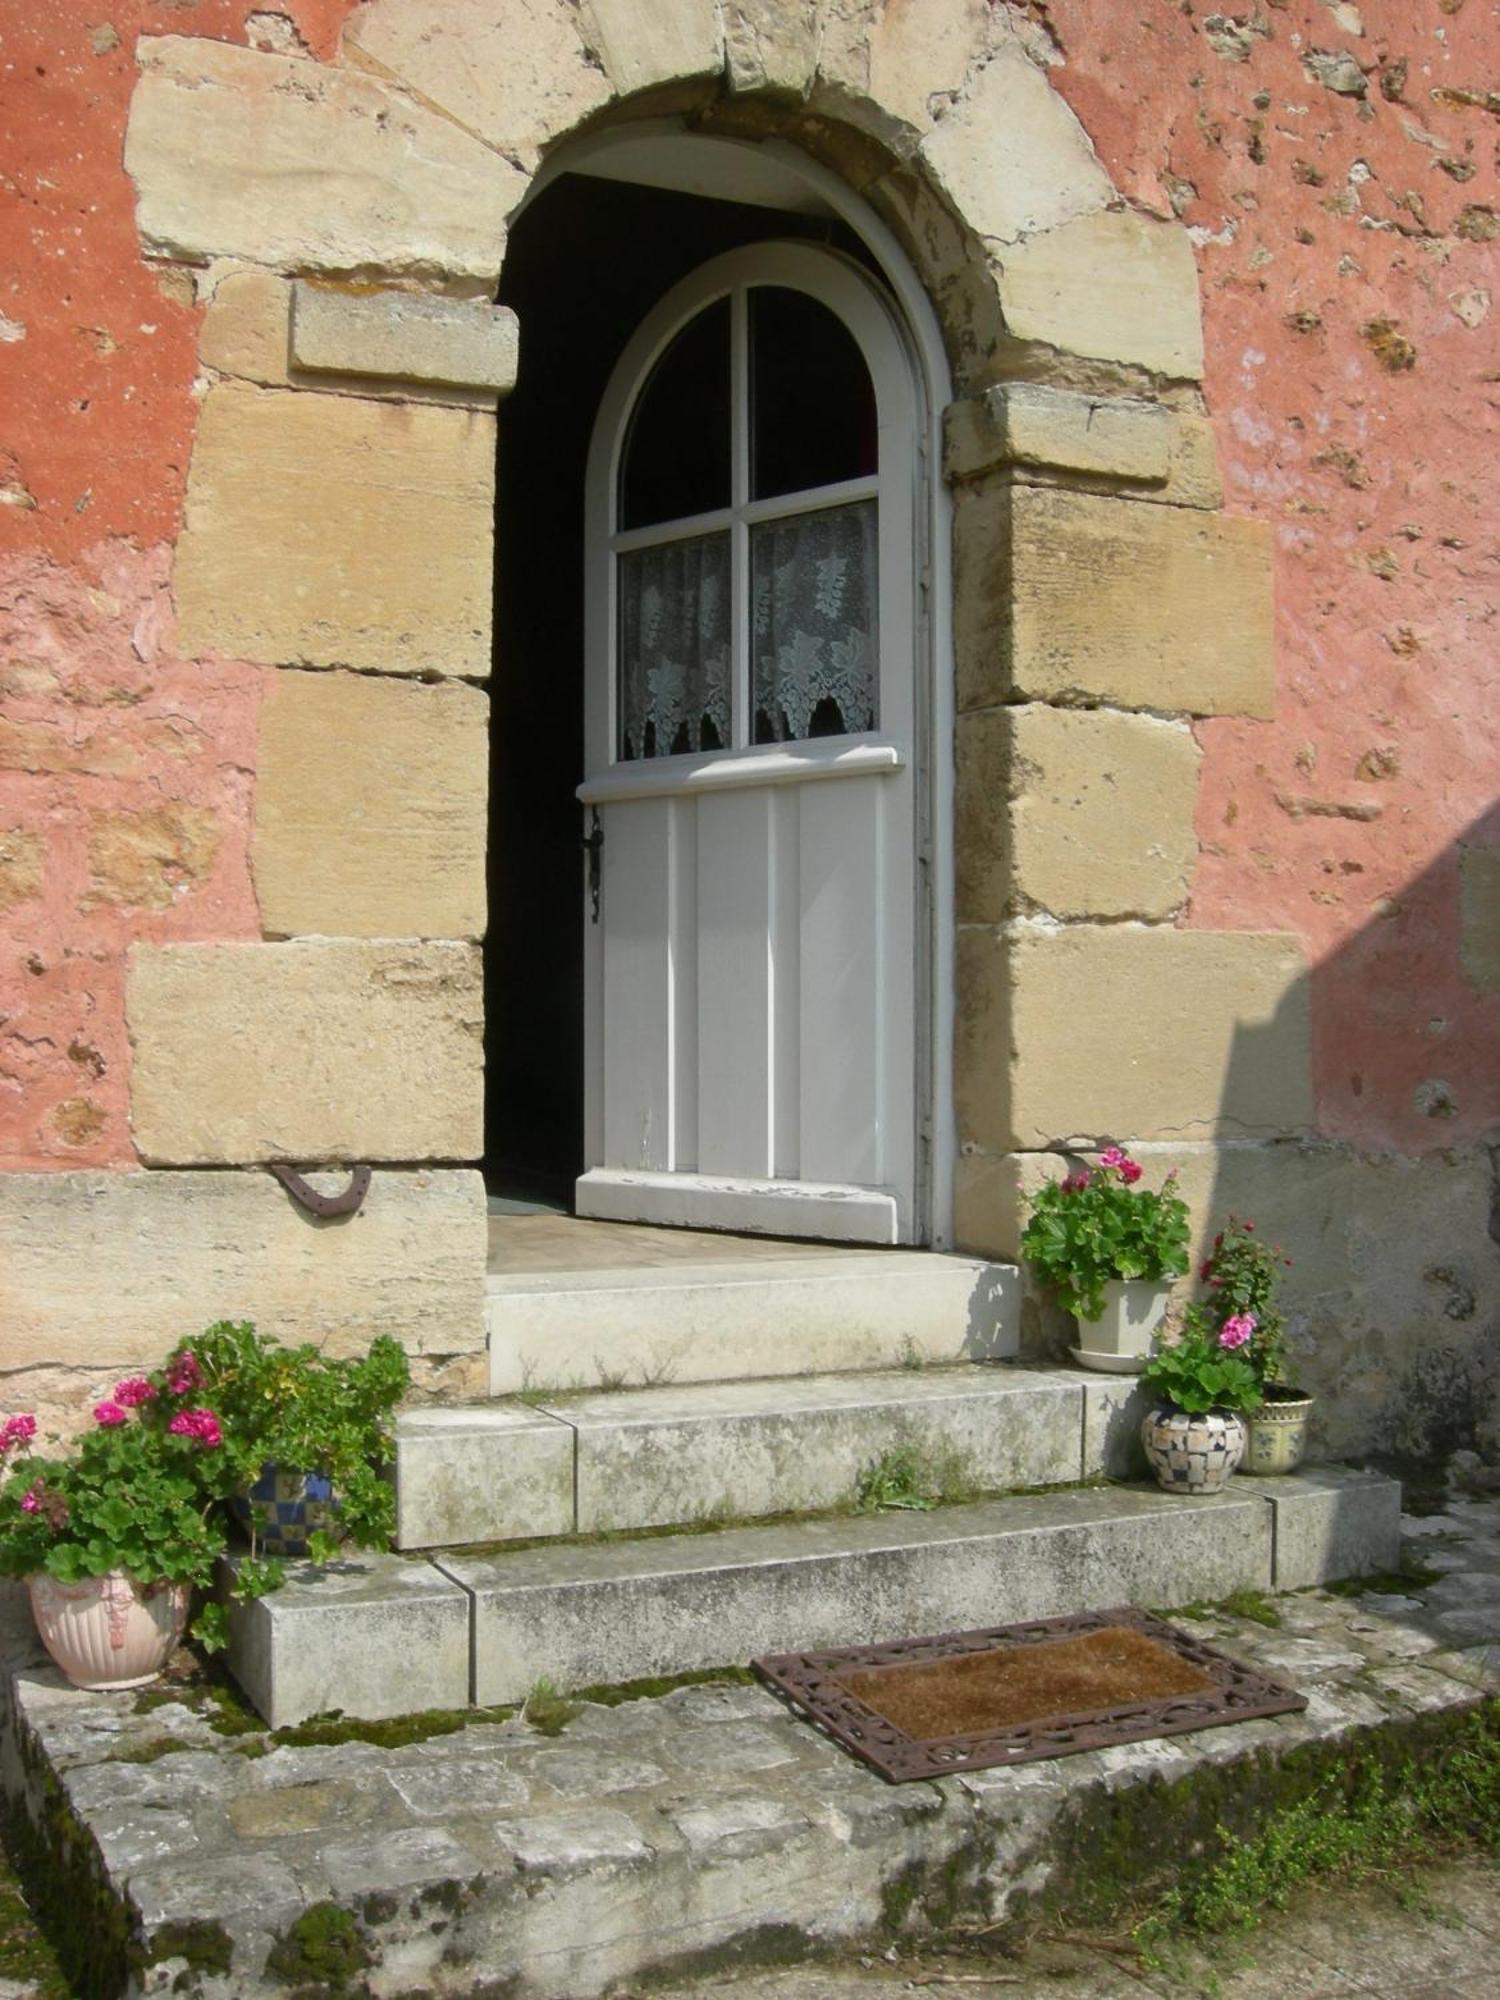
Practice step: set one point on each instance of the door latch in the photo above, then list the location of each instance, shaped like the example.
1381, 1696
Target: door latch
593, 846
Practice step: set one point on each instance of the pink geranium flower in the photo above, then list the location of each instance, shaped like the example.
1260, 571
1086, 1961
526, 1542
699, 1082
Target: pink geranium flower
1076, 1183
1130, 1173
202, 1425
16, 1430
110, 1415
184, 1375
133, 1391
1237, 1329
1113, 1156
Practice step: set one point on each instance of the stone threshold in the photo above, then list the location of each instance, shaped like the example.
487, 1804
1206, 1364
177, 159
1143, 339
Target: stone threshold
679, 1834
378, 1636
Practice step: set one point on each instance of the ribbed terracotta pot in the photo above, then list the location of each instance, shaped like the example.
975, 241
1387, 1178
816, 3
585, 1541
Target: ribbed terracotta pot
108, 1632
1193, 1454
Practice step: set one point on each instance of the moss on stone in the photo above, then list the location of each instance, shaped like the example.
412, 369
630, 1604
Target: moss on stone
1253, 1605
204, 1945
321, 1953
149, 1749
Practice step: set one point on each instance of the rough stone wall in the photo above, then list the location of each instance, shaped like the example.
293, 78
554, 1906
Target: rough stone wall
1336, 165
1226, 893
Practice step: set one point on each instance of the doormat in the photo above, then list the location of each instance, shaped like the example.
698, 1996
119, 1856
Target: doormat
965, 1701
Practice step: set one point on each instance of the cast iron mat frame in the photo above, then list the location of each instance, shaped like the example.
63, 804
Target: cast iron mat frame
809, 1681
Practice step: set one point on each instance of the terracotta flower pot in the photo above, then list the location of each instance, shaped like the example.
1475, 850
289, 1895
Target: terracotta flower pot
108, 1632
1193, 1454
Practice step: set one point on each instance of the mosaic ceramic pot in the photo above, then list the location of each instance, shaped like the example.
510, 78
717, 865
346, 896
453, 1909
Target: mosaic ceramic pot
1193, 1454
1278, 1432
108, 1632
283, 1508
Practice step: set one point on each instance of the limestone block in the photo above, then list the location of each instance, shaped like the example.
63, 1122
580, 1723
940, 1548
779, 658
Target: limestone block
646, 42
331, 531
492, 1474
989, 1197
237, 152
324, 1050
771, 44
1114, 286
1193, 476
914, 57
518, 76
736, 1449
20, 866
1479, 937
460, 343
1333, 1522
370, 807
107, 1270
618, 1610
1073, 812
1026, 423
369, 1635
1079, 597
1011, 156
246, 329
1129, 1031
1113, 1406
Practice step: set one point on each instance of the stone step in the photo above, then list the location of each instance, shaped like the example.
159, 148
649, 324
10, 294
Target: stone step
646, 1458
679, 1837
585, 1614
762, 1316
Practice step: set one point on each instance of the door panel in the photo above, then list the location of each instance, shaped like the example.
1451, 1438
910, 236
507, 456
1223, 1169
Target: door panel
751, 1004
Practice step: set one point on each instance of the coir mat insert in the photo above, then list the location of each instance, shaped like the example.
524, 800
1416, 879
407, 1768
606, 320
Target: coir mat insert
965, 1701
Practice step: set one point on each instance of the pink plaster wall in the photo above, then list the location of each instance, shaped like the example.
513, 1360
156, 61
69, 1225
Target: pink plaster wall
1319, 215
133, 765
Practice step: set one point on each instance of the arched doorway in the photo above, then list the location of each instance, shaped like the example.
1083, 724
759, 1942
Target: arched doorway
614, 229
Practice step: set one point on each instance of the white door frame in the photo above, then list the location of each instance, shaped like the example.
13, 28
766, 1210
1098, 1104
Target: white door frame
677, 157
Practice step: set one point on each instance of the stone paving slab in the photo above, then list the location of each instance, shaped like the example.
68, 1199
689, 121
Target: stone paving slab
708, 1820
1331, 1945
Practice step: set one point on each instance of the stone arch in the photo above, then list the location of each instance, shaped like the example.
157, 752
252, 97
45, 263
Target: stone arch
348, 220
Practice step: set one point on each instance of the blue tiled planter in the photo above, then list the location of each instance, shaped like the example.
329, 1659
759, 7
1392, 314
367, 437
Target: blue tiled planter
285, 1507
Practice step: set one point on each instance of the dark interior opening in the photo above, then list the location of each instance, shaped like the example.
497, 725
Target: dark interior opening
584, 265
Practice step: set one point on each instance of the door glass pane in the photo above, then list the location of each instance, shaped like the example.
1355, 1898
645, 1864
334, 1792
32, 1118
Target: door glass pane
676, 457
814, 640
674, 648
812, 404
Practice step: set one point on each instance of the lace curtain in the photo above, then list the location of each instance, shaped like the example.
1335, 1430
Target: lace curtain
674, 648
814, 649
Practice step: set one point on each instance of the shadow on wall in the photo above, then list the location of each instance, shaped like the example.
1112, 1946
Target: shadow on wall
1391, 1210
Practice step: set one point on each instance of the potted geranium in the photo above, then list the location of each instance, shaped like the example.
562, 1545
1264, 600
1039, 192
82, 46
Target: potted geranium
113, 1533
1110, 1248
1202, 1384
307, 1437
1242, 1274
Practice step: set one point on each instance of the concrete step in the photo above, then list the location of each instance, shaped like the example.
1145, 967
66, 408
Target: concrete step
762, 1315
646, 1458
584, 1614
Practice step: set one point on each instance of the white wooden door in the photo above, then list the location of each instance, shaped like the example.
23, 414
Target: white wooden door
750, 906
